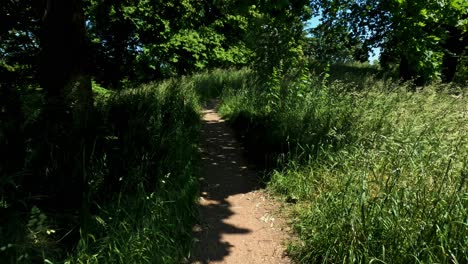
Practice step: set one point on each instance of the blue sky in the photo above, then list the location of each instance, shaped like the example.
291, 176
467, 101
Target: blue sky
314, 21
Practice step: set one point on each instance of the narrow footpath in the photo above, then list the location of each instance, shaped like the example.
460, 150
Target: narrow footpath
238, 223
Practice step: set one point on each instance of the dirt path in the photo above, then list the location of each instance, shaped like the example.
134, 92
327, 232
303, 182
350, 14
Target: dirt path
237, 221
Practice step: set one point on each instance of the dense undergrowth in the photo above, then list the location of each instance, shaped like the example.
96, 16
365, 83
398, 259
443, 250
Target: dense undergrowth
155, 129
374, 172
142, 184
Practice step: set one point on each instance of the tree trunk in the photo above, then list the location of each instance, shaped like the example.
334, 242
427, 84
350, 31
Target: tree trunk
453, 49
406, 74
63, 76
12, 142
449, 66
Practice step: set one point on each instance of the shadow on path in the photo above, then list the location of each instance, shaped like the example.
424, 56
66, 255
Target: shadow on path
225, 175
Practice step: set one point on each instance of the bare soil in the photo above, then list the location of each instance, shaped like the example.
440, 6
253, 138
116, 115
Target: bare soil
238, 219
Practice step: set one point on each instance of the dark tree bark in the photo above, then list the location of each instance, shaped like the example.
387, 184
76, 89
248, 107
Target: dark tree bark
406, 74
454, 46
12, 147
66, 116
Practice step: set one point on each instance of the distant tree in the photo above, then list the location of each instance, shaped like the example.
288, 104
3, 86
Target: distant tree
276, 35
153, 39
425, 38
329, 43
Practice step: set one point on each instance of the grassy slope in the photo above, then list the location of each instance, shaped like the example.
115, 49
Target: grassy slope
375, 173
142, 177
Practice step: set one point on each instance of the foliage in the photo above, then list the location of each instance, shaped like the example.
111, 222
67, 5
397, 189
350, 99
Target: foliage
19, 38
277, 39
420, 36
100, 93
149, 39
323, 47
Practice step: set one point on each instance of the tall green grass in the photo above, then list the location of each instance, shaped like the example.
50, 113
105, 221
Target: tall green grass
374, 173
152, 136
142, 187
210, 84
